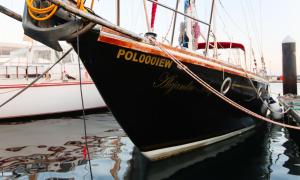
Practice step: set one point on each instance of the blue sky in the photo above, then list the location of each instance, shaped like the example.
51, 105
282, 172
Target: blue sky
266, 22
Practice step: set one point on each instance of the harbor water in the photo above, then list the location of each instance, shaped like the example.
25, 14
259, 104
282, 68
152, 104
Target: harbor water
54, 149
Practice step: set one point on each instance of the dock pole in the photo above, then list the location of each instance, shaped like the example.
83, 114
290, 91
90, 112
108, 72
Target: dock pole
289, 66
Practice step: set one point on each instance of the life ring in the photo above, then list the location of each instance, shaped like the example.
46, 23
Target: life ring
226, 85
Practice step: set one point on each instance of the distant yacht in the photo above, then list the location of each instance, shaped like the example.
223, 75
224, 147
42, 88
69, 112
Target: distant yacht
57, 92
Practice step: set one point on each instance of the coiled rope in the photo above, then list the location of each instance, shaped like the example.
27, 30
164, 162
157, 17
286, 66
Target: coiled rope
49, 11
183, 67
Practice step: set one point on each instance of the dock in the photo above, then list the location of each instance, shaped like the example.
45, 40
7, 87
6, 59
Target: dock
291, 102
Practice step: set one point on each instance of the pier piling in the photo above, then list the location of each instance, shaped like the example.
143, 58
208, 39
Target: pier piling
289, 66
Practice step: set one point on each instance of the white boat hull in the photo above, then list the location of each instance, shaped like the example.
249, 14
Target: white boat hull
48, 98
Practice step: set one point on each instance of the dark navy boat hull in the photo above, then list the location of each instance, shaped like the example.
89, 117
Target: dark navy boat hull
159, 105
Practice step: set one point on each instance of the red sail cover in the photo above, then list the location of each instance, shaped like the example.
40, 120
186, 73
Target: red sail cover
154, 7
222, 45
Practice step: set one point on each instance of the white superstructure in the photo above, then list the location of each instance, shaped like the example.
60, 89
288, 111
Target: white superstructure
57, 92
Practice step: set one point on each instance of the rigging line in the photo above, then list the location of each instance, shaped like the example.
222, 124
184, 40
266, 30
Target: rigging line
258, 26
255, 28
243, 32
261, 23
227, 34
232, 20
254, 25
168, 31
34, 81
248, 32
83, 109
224, 25
184, 68
246, 22
179, 12
257, 93
248, 19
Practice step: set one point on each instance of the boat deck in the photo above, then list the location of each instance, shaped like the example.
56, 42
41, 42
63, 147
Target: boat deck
23, 81
291, 102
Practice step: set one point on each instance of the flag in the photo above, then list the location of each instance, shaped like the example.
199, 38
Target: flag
153, 13
186, 5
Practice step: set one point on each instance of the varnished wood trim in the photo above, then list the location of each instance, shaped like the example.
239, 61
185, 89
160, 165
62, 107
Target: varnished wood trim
113, 39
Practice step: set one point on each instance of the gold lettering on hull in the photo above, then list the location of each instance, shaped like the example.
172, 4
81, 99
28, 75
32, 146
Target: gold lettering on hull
170, 83
144, 58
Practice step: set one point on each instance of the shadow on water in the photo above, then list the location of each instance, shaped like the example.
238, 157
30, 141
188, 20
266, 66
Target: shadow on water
262, 154
53, 149
224, 160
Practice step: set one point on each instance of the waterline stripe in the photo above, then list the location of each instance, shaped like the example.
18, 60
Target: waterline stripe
171, 151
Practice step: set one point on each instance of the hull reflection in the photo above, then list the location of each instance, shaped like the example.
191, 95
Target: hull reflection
209, 162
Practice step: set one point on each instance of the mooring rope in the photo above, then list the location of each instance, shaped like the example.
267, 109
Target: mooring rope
83, 110
38, 78
183, 67
259, 96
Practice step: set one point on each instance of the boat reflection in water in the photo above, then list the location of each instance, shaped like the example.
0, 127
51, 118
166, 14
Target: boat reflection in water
218, 161
293, 162
67, 161
53, 149
290, 156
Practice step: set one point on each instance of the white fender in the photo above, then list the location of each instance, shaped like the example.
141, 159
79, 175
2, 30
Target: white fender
276, 111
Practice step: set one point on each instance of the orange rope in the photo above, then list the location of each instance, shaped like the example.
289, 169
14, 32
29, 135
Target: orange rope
51, 9
31, 10
80, 5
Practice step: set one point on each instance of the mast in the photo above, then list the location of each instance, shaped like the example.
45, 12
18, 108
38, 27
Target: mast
209, 26
118, 12
146, 15
174, 23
